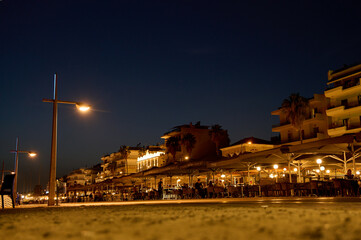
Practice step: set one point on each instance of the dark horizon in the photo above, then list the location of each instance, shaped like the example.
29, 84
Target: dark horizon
146, 66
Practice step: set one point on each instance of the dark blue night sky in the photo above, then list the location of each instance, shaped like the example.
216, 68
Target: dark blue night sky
146, 66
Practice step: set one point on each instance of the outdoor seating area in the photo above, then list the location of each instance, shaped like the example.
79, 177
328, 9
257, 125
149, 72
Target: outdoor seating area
325, 168
314, 188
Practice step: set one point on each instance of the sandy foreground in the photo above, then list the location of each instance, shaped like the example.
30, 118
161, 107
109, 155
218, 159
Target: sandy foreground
190, 220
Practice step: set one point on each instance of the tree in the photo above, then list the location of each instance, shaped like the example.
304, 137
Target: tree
125, 152
172, 145
219, 137
296, 109
189, 141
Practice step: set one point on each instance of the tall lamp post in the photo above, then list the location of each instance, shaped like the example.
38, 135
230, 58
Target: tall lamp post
56, 101
17, 151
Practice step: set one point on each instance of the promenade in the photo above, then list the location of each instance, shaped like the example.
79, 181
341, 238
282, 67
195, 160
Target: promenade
255, 218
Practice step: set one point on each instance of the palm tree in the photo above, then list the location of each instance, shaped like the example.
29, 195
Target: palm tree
172, 145
125, 152
219, 137
188, 141
296, 109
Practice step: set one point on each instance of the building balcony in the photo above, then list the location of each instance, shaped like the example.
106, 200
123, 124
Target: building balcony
337, 131
346, 90
341, 129
343, 110
309, 120
333, 111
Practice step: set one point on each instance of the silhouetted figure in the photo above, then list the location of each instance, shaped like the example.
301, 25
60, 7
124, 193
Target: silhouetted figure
349, 174
199, 187
160, 189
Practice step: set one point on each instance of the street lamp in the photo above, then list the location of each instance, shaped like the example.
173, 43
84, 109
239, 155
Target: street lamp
259, 184
275, 168
17, 151
55, 101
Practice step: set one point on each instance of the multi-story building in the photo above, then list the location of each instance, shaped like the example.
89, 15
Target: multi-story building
314, 127
204, 147
344, 93
153, 157
116, 164
83, 176
246, 145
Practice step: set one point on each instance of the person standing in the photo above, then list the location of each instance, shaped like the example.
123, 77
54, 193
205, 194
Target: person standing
160, 189
199, 188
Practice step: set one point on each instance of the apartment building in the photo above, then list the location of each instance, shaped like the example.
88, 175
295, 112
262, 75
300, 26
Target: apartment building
83, 176
204, 147
154, 156
344, 93
314, 126
116, 165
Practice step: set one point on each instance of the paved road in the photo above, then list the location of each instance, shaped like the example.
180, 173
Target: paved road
247, 202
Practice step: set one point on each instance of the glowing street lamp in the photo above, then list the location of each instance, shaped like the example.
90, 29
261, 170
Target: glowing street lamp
322, 168
32, 154
17, 151
81, 107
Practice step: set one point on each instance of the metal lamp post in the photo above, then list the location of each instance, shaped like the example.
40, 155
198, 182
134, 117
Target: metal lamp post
56, 101
17, 151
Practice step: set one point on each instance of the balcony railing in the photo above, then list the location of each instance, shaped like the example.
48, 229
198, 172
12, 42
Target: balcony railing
316, 115
345, 85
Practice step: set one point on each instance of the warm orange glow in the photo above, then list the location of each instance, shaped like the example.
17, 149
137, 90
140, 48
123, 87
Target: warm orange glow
32, 154
186, 158
83, 108
249, 142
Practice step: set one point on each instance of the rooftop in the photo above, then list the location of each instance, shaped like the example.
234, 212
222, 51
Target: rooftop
346, 70
253, 140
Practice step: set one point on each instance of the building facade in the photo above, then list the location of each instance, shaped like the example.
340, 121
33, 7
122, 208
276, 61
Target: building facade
203, 147
314, 127
83, 176
153, 157
344, 93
